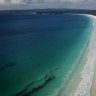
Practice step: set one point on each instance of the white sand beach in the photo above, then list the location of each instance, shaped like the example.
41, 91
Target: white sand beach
86, 86
81, 82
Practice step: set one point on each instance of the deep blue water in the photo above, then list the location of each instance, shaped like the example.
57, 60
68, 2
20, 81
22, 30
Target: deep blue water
37, 52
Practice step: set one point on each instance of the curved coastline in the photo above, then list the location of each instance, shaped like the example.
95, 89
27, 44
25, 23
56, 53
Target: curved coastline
87, 74
44, 80
76, 74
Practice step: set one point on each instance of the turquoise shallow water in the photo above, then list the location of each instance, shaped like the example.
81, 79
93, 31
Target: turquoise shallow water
39, 52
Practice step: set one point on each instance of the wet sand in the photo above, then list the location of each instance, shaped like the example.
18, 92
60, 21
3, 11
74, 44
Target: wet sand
87, 86
93, 86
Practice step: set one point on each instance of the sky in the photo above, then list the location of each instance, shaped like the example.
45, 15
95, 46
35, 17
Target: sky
33, 4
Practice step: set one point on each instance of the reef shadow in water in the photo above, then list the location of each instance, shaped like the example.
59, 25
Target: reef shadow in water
36, 85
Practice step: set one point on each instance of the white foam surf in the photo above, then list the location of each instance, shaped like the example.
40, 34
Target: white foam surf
84, 87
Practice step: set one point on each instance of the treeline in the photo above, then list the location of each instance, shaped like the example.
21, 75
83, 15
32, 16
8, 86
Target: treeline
51, 11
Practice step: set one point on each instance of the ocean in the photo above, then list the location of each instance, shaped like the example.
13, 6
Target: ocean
38, 53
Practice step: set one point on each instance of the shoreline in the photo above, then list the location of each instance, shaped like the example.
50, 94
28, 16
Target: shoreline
76, 75
93, 87
84, 87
